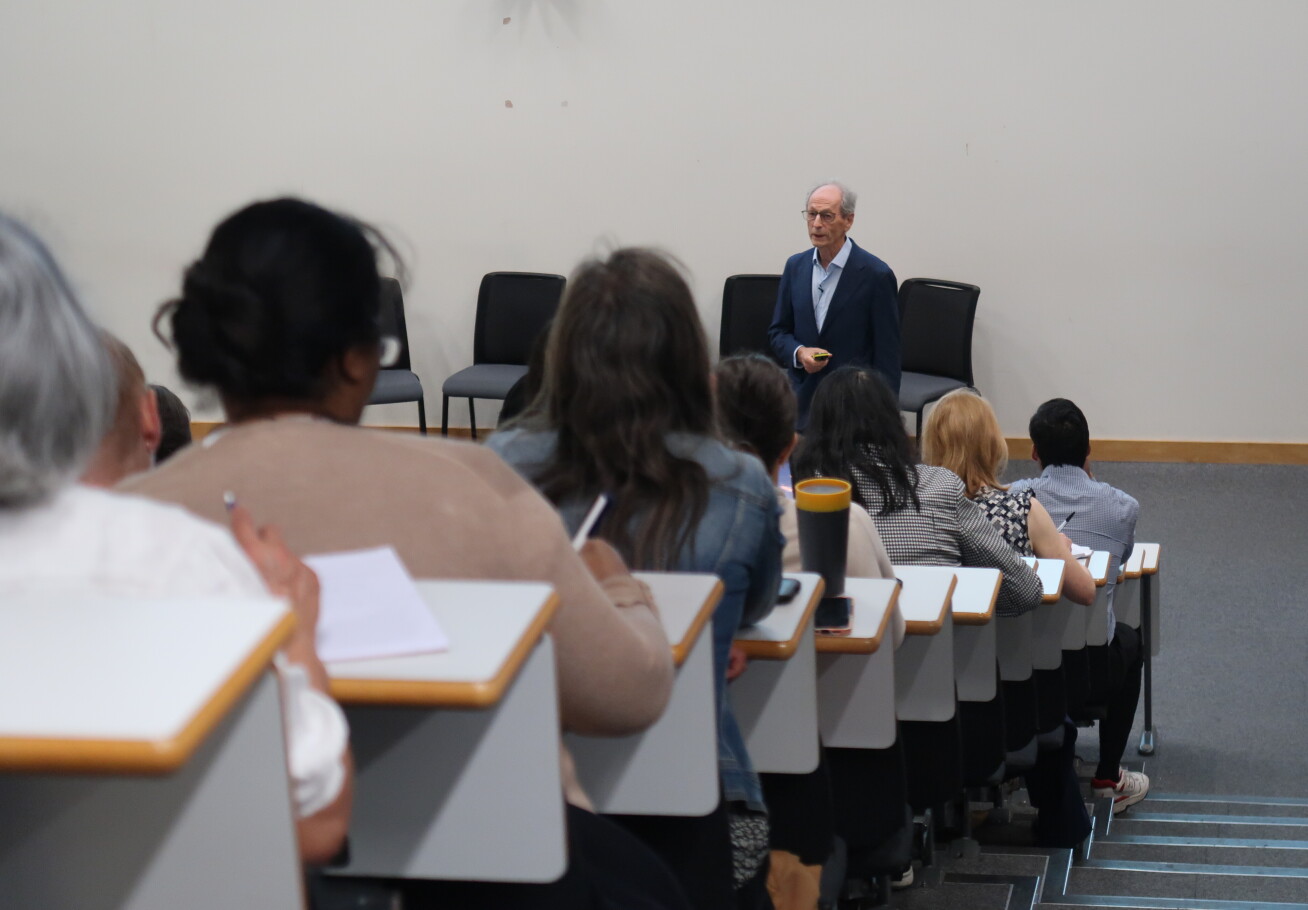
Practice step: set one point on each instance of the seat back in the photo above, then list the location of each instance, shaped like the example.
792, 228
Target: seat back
935, 327
748, 302
391, 319
512, 309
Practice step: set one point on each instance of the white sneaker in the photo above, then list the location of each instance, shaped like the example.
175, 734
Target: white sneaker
905, 880
1129, 788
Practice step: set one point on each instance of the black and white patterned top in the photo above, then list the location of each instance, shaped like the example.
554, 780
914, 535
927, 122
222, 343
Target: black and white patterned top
1009, 511
949, 530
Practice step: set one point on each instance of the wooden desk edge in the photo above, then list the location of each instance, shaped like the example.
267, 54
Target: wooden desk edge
681, 649
918, 627
839, 644
436, 694
784, 650
47, 755
981, 619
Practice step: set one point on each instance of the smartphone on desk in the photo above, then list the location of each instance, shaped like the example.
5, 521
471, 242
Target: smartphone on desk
834, 616
789, 588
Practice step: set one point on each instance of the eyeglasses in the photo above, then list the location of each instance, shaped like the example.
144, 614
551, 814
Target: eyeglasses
824, 217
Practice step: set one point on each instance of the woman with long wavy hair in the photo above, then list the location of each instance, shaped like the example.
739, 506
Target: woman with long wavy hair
626, 409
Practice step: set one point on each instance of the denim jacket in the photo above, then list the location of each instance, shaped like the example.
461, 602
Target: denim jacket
738, 539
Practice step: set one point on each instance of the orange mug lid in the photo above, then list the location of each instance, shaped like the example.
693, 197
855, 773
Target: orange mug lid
823, 494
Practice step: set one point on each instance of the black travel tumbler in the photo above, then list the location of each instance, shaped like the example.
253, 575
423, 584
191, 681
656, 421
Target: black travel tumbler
822, 506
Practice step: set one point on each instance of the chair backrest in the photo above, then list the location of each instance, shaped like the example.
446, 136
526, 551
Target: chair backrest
935, 327
391, 319
748, 302
512, 309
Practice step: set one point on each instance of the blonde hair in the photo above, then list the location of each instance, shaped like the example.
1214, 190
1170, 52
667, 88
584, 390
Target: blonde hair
963, 435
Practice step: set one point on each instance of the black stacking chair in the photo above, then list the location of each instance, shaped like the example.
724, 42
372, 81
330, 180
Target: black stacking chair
398, 383
748, 302
512, 309
935, 332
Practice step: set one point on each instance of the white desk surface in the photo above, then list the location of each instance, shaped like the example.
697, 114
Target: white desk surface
492, 628
875, 600
1098, 567
975, 593
1149, 555
126, 685
1051, 576
925, 599
777, 636
1134, 566
686, 601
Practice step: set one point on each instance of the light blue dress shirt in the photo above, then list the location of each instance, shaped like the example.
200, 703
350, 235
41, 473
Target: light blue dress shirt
1103, 517
824, 286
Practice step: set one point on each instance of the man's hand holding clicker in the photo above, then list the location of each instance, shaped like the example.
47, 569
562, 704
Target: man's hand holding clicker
813, 359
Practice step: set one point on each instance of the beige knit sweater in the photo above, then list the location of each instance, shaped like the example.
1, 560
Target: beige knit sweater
451, 510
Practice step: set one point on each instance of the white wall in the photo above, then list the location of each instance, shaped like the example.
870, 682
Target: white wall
1124, 180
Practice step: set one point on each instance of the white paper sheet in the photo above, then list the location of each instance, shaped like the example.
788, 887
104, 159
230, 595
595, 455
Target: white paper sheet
371, 608
1080, 552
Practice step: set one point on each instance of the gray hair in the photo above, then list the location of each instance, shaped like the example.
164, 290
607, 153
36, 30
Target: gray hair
848, 198
57, 388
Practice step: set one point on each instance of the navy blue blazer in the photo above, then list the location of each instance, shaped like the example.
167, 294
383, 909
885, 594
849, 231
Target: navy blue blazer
861, 328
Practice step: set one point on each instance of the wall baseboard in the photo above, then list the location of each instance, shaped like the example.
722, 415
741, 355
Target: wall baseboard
1019, 448
1159, 450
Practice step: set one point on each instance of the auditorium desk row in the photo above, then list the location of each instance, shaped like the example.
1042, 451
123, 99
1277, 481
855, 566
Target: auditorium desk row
142, 758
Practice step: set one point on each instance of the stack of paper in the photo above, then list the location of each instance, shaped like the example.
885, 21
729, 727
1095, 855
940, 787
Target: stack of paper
371, 608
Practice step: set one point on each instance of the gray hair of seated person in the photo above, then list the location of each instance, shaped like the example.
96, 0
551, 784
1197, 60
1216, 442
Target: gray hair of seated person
848, 198
57, 387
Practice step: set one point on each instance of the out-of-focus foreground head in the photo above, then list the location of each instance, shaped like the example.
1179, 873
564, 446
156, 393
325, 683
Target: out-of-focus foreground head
57, 388
129, 445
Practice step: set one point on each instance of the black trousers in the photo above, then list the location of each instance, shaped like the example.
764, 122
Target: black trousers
1121, 696
608, 869
1055, 791
696, 850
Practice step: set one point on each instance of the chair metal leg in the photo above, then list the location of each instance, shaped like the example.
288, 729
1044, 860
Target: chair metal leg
472, 417
422, 417
445, 415
1147, 745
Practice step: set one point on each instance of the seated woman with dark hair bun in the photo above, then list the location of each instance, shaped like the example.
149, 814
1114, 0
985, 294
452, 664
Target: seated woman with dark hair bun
280, 317
626, 409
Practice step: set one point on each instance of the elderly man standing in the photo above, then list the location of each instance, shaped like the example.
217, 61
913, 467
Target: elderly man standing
837, 304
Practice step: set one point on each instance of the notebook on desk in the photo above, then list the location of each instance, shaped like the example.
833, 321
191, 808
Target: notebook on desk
371, 608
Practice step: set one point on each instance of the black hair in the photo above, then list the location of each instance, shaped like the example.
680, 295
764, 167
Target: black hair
174, 422
1060, 433
756, 406
854, 423
283, 289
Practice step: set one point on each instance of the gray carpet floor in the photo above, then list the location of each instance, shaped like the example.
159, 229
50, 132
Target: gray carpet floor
1230, 683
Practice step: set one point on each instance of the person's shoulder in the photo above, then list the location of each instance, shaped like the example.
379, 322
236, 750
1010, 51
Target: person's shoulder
797, 259
931, 478
1123, 499
725, 465
1022, 484
132, 515
868, 260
